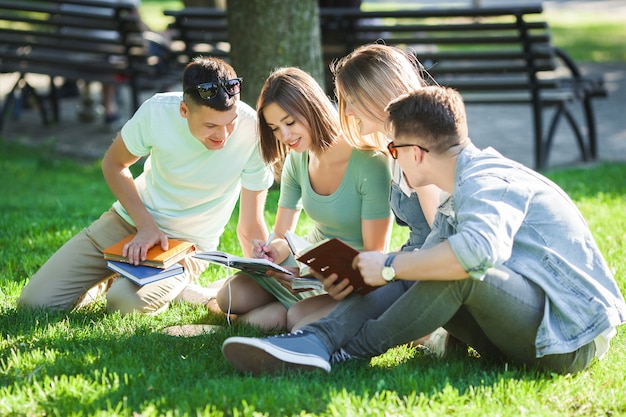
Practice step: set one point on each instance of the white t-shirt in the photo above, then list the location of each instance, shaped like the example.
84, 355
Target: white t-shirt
189, 190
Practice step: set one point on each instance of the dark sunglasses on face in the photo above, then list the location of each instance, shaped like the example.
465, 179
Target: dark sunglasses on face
209, 90
393, 151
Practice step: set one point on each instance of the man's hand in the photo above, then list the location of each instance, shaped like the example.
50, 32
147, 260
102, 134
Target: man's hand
137, 249
371, 266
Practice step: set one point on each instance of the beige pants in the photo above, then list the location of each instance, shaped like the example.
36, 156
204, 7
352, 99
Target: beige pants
76, 274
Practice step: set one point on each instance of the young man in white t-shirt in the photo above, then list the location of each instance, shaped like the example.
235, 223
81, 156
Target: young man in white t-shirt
201, 155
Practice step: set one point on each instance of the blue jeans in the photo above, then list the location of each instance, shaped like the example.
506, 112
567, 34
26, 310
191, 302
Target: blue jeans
498, 317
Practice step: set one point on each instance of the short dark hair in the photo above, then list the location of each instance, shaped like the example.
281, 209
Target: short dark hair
435, 114
203, 69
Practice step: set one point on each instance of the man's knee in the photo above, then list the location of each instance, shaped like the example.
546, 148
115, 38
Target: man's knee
34, 298
124, 298
31, 300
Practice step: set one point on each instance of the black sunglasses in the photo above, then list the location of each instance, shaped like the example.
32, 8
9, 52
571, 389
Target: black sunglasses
209, 90
392, 147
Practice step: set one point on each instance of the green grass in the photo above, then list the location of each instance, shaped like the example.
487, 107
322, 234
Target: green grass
591, 41
592, 37
152, 12
91, 363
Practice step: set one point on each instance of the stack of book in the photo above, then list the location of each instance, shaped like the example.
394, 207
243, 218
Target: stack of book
141, 274
159, 264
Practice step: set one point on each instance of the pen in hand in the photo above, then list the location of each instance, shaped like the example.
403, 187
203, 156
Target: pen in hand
265, 246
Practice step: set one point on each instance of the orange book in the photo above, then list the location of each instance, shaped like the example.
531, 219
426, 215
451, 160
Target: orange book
156, 257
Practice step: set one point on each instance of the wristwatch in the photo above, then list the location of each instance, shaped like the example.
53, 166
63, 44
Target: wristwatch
388, 273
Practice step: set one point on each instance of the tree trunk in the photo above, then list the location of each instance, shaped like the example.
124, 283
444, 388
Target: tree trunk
267, 34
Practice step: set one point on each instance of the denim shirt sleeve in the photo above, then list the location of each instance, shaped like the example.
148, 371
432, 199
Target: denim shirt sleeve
488, 210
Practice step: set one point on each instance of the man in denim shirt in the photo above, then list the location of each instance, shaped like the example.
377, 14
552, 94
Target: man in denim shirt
510, 267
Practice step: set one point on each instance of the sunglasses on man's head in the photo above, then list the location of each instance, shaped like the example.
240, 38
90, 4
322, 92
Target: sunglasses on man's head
393, 151
209, 90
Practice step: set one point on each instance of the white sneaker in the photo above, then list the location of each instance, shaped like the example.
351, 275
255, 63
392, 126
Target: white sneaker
197, 294
437, 342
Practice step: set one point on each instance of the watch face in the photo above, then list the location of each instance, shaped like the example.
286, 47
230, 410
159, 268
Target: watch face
388, 273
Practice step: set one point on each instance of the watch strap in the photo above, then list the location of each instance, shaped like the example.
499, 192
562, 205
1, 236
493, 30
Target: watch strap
390, 259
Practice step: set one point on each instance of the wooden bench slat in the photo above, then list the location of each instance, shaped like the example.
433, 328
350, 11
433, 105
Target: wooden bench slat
443, 12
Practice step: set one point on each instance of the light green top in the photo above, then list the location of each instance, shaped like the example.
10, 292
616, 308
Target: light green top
363, 194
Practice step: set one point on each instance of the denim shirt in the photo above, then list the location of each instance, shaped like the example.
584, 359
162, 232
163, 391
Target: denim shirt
502, 213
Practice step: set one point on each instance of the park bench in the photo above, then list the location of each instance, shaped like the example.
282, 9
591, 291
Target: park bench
91, 40
198, 31
491, 55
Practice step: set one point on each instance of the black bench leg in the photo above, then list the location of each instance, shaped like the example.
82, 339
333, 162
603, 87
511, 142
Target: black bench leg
28, 89
561, 110
547, 143
591, 127
584, 152
8, 102
537, 108
42, 108
24, 89
54, 101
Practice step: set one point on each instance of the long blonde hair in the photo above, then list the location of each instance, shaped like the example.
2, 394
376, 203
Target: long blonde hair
370, 77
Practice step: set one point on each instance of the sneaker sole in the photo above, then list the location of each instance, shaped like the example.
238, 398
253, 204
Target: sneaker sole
258, 357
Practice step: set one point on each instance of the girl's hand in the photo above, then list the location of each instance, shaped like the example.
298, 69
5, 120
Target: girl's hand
337, 288
285, 279
261, 249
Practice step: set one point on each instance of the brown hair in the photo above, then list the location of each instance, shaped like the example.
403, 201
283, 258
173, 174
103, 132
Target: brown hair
436, 115
297, 92
208, 70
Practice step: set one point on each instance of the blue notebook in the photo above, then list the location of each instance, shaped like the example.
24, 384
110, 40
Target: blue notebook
142, 275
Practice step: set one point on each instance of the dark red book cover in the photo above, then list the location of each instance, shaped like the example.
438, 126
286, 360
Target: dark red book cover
335, 256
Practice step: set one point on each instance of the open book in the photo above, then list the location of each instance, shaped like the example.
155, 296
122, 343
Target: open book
249, 265
334, 256
298, 245
156, 257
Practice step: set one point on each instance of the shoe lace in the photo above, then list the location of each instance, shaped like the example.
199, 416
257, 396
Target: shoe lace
291, 334
340, 356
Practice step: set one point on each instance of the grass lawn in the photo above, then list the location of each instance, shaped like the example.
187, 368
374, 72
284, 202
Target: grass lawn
90, 363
